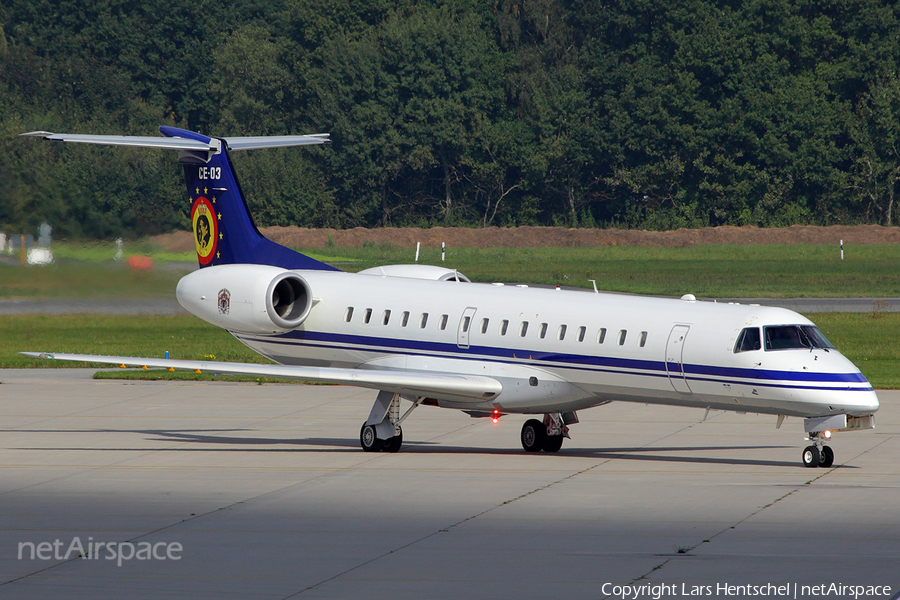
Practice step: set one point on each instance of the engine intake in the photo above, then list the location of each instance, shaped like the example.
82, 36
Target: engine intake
288, 300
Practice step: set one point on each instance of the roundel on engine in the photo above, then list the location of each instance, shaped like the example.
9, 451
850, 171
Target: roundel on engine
203, 221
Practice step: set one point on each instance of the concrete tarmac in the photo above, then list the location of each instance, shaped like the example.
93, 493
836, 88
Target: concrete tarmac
268, 494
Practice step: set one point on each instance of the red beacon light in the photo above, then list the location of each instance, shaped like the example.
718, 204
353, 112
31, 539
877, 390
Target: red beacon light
495, 416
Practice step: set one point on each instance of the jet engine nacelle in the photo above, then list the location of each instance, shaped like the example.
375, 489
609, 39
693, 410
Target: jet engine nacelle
247, 298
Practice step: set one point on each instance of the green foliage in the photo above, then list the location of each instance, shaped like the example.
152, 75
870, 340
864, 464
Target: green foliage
644, 114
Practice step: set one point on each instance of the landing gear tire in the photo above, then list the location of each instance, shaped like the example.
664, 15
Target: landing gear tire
827, 458
393, 444
533, 434
368, 440
811, 457
552, 443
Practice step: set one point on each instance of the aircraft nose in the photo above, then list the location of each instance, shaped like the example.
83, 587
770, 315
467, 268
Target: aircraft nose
875, 403
868, 403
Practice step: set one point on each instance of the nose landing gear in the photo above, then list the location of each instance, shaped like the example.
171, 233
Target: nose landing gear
817, 455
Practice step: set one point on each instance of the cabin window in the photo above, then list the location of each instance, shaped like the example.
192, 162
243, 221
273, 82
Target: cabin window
523, 328
404, 318
504, 325
542, 331
484, 325
444, 322
423, 320
622, 334
601, 335
561, 333
385, 317
789, 337
465, 323
348, 314
748, 340
368, 316
642, 339
581, 331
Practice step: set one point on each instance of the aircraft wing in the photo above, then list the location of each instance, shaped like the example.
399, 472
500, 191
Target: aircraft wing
459, 388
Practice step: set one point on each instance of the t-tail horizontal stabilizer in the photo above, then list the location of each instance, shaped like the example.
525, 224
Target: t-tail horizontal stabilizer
224, 232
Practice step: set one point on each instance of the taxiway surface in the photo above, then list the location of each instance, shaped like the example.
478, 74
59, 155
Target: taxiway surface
268, 494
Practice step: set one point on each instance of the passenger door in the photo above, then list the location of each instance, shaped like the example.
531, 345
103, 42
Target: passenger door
465, 327
675, 358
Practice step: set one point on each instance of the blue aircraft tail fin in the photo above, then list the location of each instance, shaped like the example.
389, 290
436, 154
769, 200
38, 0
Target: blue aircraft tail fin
224, 231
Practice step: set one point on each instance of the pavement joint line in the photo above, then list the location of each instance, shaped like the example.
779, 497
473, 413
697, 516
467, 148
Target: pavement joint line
233, 504
710, 538
60, 478
758, 511
71, 414
475, 423
439, 531
182, 521
475, 516
864, 452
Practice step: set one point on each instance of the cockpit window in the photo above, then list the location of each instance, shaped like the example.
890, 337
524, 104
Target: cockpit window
748, 340
791, 337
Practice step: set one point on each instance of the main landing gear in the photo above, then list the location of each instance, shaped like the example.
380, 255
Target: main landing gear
368, 439
547, 436
381, 432
817, 455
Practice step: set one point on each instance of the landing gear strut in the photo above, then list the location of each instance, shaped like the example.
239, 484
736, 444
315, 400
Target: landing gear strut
381, 432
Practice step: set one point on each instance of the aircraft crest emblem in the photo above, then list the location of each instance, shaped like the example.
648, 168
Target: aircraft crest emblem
224, 301
206, 229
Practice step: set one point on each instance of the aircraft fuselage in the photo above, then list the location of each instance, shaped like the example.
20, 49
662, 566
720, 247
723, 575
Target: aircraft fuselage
555, 350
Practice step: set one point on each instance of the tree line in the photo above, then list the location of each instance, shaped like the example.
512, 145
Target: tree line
629, 113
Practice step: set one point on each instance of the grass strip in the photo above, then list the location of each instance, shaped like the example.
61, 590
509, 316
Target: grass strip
709, 271
787, 271
183, 336
870, 340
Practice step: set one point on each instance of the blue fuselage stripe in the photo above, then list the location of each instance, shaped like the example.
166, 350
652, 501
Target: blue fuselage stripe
763, 378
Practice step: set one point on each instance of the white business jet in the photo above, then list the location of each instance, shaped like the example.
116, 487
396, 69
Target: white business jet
427, 335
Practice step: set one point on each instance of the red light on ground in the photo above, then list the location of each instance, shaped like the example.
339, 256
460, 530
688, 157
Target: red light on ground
495, 419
